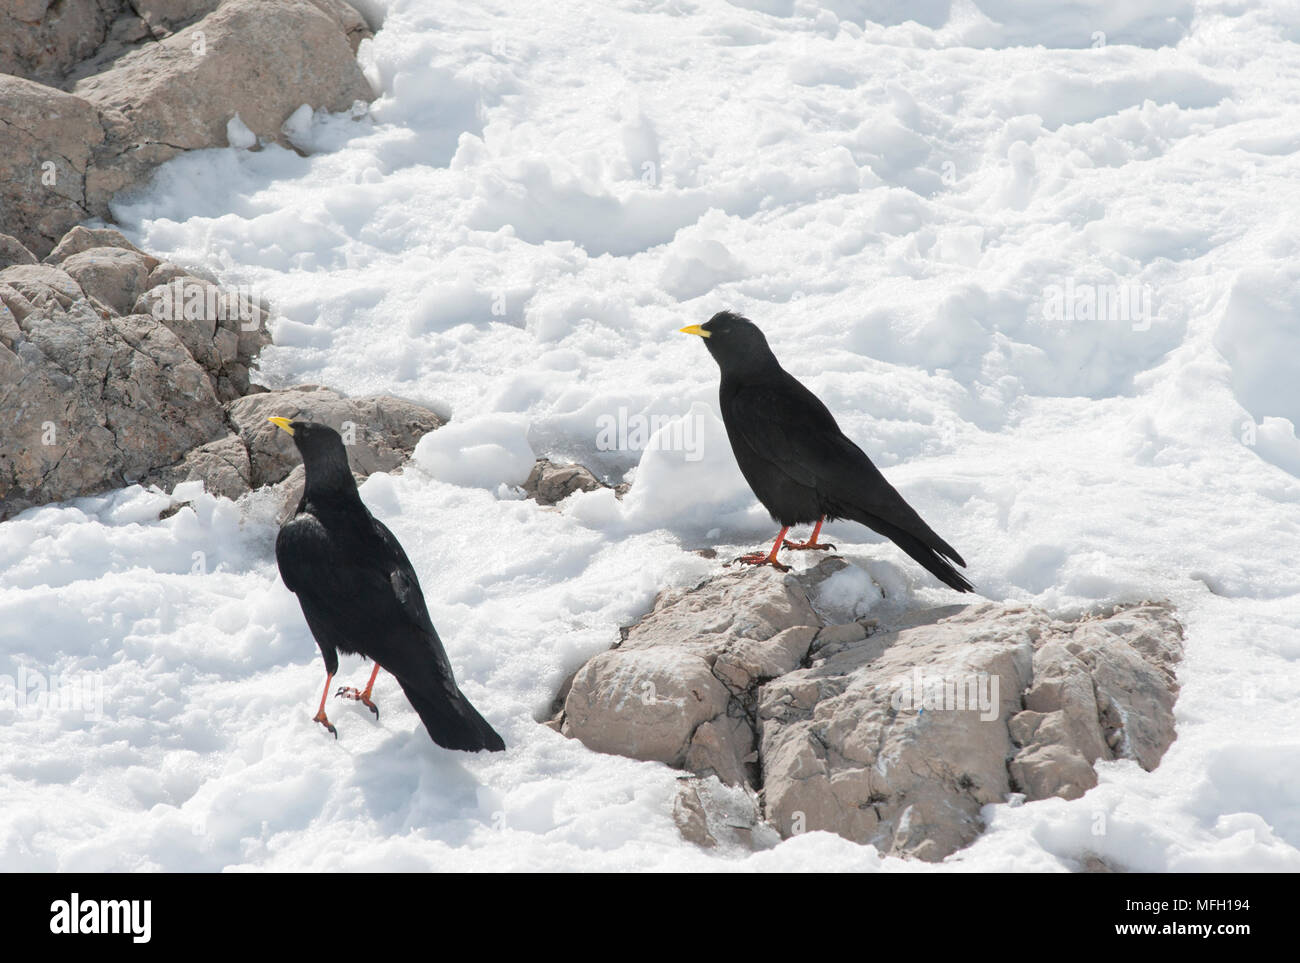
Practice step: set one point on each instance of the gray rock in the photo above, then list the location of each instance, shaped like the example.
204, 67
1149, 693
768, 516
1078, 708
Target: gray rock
81, 239
49, 140
98, 395
93, 403
167, 16
42, 285
42, 40
223, 466
10, 300
347, 18
549, 483
1052, 769
144, 93
12, 251
260, 60
222, 328
381, 431
715, 816
895, 738
844, 748
112, 275
679, 688
856, 745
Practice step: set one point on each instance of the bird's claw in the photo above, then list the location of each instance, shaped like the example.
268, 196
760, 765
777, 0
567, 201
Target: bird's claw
349, 692
320, 717
758, 558
808, 546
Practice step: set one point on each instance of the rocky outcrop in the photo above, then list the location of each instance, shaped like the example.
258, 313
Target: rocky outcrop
49, 139
92, 399
681, 686
116, 367
894, 737
257, 59
96, 391
150, 80
380, 432
223, 328
44, 40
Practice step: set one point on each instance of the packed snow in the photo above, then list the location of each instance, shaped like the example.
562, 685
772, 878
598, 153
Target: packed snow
1039, 258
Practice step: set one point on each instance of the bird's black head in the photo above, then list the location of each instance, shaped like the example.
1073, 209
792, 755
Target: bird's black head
323, 455
736, 343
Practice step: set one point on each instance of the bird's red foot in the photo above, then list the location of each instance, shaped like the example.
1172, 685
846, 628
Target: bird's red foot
811, 545
348, 692
320, 717
808, 546
758, 558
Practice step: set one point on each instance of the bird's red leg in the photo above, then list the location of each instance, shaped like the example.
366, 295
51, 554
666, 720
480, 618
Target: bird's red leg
320, 713
812, 543
363, 697
758, 558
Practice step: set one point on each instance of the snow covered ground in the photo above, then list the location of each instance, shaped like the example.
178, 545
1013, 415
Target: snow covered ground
916, 213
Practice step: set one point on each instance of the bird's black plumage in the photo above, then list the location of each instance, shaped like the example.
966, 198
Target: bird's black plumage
796, 459
360, 593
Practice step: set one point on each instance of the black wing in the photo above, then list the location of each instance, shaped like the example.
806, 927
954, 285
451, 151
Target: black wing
361, 594
787, 426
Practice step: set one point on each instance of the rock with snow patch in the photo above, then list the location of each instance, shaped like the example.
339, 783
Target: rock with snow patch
149, 80
899, 739
549, 483
81, 239
895, 737
380, 432
260, 60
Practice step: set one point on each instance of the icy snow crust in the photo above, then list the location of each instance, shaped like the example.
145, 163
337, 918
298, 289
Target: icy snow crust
541, 195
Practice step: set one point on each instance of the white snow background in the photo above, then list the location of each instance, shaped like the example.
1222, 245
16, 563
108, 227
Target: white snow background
541, 195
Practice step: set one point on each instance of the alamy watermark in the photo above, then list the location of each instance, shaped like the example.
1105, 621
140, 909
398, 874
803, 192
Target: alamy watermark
624, 431
81, 692
1098, 302
926, 692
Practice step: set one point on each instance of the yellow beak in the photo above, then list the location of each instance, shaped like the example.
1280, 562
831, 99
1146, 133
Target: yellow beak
281, 423
695, 329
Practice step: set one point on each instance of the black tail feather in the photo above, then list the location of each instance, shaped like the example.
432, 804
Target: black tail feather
934, 560
452, 721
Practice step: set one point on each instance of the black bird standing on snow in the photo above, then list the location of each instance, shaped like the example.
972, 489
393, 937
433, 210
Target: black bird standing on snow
360, 595
798, 462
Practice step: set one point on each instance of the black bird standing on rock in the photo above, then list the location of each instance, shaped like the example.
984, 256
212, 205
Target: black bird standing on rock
360, 595
798, 462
